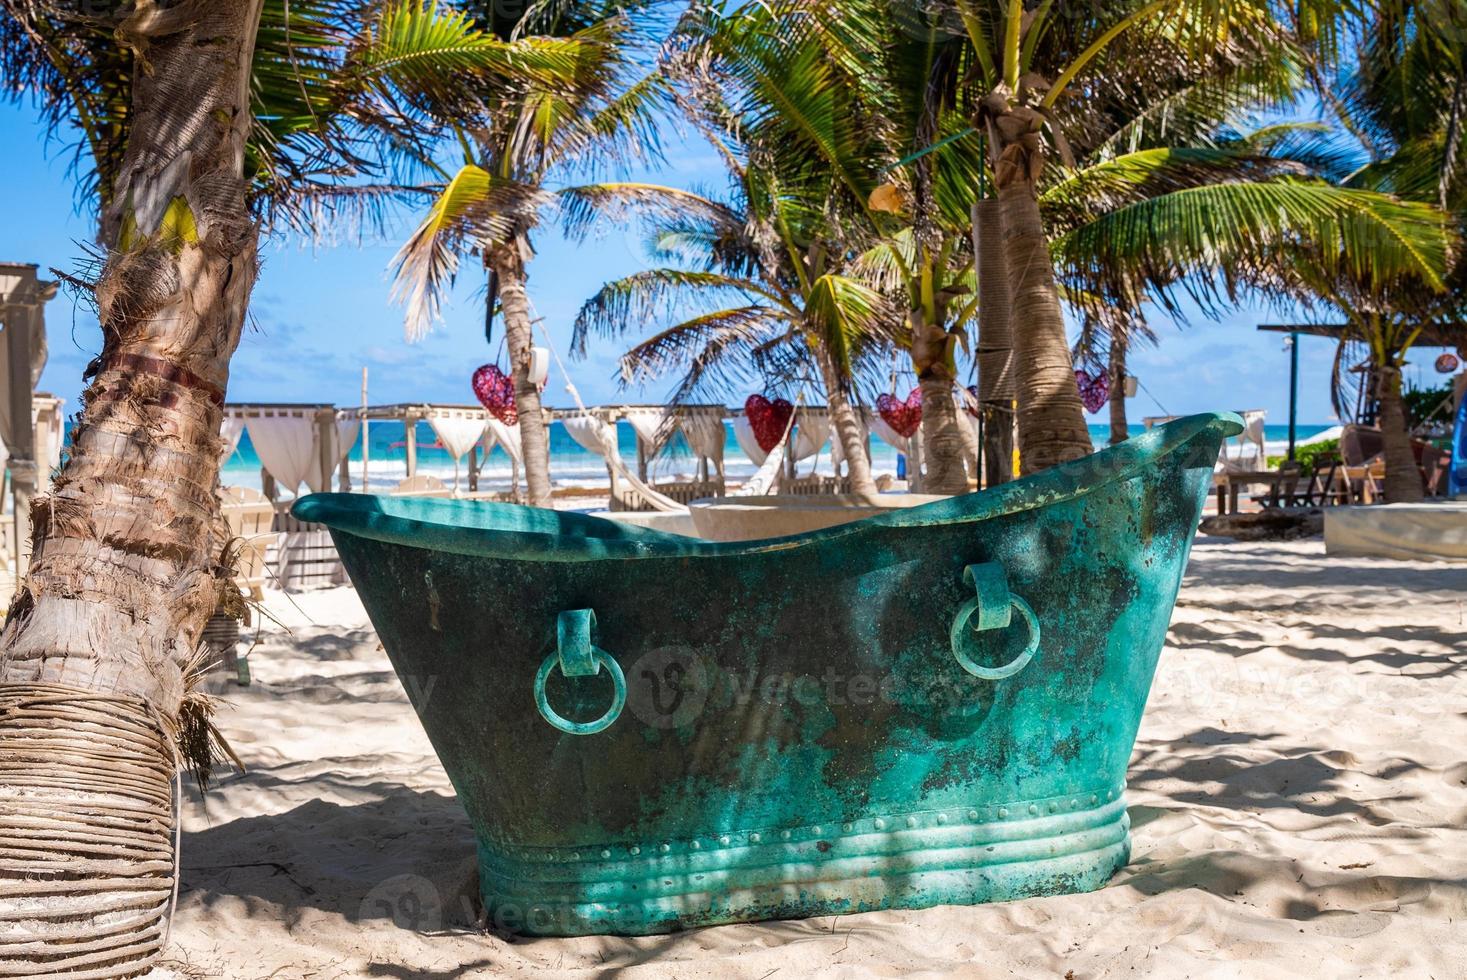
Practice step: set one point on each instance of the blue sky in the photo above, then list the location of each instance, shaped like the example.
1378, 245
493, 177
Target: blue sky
319, 314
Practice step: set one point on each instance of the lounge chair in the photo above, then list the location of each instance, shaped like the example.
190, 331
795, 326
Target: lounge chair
248, 514
421, 485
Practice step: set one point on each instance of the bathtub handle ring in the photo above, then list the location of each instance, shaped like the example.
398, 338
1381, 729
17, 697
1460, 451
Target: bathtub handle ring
993, 604
577, 656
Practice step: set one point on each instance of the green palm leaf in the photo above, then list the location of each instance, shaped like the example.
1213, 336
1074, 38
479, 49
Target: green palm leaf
1255, 234
473, 207
654, 294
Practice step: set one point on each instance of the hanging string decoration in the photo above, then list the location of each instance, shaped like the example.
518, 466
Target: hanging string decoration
1447, 364
495, 391
904, 417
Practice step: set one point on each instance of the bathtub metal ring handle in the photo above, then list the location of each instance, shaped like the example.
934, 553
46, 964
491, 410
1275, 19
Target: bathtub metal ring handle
577, 656
993, 604
618, 698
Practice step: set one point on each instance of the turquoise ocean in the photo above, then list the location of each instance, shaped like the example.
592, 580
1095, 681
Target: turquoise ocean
571, 465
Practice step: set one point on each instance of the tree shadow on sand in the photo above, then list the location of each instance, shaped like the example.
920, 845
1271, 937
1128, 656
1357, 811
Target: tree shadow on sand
406, 859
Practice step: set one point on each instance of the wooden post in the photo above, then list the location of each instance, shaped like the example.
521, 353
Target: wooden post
474, 468
325, 445
366, 443
23, 298
411, 421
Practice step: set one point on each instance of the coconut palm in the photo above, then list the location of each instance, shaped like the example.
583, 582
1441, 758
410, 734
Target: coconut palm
786, 80
1402, 101
798, 312
1132, 216
128, 561
1261, 213
540, 133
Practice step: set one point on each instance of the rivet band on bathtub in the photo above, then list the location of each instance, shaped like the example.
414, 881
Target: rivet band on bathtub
896, 860
1034, 815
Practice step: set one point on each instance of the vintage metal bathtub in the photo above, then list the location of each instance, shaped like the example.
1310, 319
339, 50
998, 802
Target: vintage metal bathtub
652, 732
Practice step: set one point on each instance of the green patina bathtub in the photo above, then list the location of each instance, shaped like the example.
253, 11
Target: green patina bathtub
651, 732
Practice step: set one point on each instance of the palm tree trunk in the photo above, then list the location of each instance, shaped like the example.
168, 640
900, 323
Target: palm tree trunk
847, 430
127, 548
509, 265
1402, 477
1120, 429
1052, 426
995, 343
943, 446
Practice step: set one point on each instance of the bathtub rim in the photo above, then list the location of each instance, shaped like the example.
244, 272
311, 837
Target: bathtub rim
518, 532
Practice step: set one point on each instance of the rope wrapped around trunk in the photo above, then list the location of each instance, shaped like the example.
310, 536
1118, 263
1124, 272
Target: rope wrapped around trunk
87, 824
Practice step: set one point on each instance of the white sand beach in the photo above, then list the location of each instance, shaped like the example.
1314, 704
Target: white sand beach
1298, 798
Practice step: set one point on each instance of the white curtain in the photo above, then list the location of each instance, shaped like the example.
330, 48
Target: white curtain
230, 430
4, 454
812, 432
458, 435
347, 430
343, 434
599, 436
57, 425
286, 446
888, 435
593, 433
744, 435
507, 436
649, 424
706, 435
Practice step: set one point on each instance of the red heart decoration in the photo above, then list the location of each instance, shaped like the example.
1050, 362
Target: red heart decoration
905, 417
970, 405
1094, 390
768, 419
495, 391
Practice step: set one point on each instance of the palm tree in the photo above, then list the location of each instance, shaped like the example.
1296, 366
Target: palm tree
541, 130
1402, 101
791, 84
127, 562
1050, 76
1261, 212
796, 309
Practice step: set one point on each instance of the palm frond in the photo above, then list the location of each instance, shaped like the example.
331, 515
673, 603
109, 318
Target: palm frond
1233, 235
654, 294
473, 208
714, 351
581, 207
844, 315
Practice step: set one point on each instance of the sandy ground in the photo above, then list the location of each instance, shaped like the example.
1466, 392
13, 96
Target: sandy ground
1298, 797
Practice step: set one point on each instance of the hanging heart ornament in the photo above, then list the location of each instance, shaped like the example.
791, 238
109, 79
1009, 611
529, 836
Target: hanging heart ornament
495, 391
1094, 390
904, 417
768, 419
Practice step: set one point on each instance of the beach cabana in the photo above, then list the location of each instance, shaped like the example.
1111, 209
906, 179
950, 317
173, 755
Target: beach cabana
655, 426
461, 430
296, 444
30, 424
